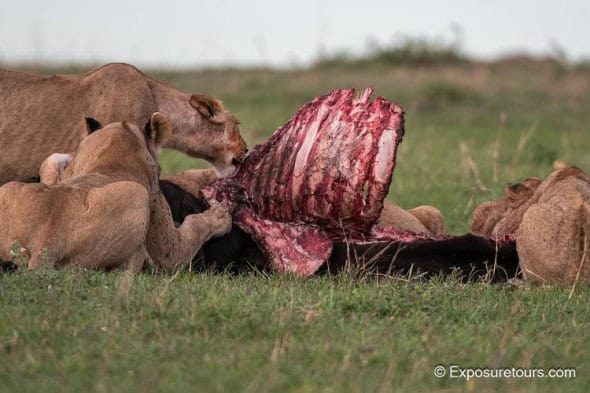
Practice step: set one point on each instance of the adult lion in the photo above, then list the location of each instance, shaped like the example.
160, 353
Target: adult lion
43, 115
106, 209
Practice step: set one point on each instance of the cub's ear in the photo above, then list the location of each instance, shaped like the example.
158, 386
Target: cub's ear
158, 129
92, 125
515, 189
209, 107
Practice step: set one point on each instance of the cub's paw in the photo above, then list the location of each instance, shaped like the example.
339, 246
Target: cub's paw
220, 220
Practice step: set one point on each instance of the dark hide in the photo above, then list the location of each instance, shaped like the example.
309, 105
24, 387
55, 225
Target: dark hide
7, 267
218, 253
470, 257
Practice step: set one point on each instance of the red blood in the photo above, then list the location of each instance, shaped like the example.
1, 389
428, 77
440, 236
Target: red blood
321, 177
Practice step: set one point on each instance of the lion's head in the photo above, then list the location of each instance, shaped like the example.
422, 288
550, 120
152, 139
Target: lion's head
213, 133
121, 149
502, 217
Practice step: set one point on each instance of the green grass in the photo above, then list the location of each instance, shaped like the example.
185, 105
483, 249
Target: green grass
254, 333
471, 128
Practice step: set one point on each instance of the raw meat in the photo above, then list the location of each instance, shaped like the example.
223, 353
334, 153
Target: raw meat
320, 178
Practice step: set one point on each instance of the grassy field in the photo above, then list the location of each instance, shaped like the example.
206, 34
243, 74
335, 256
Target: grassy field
470, 129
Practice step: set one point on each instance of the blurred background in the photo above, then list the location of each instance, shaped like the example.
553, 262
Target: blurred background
494, 92
180, 34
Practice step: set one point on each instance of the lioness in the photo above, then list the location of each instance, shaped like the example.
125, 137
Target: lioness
104, 209
43, 115
551, 219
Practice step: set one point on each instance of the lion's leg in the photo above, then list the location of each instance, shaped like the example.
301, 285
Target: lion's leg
171, 247
199, 228
40, 258
137, 260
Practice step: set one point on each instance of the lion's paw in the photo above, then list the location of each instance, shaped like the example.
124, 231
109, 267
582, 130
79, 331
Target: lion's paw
220, 220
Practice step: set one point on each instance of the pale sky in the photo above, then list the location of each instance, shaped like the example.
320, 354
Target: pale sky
176, 33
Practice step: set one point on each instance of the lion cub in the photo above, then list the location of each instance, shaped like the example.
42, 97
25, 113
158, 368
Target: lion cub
102, 207
551, 219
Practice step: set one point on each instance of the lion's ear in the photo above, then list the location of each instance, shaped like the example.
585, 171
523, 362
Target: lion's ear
515, 189
209, 107
158, 129
92, 125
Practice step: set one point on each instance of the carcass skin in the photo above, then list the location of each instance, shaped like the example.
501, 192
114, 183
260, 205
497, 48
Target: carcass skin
320, 178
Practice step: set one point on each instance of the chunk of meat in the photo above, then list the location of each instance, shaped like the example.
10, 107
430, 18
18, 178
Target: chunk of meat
321, 177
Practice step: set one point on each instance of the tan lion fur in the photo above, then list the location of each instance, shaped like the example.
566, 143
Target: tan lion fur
192, 180
422, 219
43, 115
551, 219
104, 209
502, 217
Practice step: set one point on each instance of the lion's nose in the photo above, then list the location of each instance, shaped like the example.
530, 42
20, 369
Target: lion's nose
240, 158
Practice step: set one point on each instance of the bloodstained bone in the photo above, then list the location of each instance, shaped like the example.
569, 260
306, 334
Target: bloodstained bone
329, 165
319, 179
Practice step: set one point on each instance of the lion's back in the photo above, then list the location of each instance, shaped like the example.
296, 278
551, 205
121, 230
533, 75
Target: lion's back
44, 115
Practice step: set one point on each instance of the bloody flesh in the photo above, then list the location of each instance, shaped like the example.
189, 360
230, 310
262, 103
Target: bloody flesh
329, 165
320, 178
